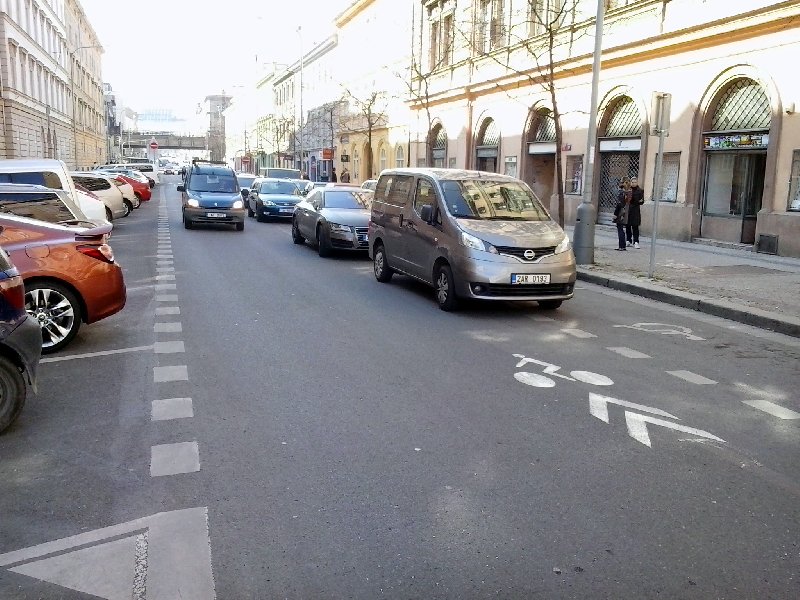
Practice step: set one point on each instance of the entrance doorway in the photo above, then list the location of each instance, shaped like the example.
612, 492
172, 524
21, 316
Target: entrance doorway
487, 147
614, 166
539, 169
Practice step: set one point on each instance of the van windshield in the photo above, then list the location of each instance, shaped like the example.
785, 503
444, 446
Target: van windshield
492, 200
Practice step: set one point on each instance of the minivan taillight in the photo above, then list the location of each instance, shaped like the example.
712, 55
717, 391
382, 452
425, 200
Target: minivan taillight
13, 291
102, 252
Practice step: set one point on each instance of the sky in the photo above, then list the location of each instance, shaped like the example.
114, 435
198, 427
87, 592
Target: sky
173, 53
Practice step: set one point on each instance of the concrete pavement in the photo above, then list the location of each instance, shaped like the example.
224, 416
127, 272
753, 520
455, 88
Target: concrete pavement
730, 282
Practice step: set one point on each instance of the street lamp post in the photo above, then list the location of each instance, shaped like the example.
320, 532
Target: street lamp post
300, 33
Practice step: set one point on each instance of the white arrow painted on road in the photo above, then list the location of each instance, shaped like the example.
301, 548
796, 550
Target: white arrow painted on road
637, 428
598, 407
161, 557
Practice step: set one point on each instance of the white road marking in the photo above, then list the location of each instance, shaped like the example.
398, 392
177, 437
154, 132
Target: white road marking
168, 310
167, 327
165, 277
637, 428
172, 408
95, 354
692, 377
173, 459
165, 269
598, 407
776, 410
534, 379
164, 255
173, 373
591, 378
628, 352
177, 563
579, 333
166, 286
168, 347
164, 262
664, 329
166, 297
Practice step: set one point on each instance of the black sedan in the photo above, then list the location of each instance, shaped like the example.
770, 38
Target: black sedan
272, 198
335, 217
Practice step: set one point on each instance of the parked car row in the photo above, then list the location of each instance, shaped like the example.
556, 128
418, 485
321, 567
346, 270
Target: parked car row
57, 269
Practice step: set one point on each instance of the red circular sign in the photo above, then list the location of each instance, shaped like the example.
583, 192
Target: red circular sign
154, 145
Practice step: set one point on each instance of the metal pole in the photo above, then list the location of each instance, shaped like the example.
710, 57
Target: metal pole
74, 102
300, 32
657, 183
583, 237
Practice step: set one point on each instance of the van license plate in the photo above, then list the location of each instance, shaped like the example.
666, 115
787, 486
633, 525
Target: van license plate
528, 278
220, 215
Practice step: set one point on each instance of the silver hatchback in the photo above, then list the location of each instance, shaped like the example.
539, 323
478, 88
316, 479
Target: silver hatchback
469, 234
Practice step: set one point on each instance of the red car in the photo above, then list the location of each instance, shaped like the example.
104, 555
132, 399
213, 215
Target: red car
69, 272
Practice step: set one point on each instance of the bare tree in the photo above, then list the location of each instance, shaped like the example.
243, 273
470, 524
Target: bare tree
365, 114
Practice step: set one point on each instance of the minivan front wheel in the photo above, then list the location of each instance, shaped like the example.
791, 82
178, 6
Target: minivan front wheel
445, 288
383, 272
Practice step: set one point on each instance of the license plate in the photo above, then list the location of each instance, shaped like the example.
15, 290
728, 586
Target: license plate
523, 278
287, 210
220, 215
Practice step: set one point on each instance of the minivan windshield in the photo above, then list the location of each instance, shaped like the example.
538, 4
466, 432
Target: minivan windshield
212, 182
492, 200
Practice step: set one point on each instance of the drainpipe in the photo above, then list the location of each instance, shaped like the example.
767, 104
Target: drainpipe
469, 163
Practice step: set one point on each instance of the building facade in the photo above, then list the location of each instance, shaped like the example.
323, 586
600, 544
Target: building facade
52, 101
494, 93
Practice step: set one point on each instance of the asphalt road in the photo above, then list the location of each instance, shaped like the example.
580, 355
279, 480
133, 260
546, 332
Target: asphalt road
347, 439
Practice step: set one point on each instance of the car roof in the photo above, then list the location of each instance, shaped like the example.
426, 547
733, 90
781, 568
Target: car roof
31, 163
449, 174
87, 174
212, 169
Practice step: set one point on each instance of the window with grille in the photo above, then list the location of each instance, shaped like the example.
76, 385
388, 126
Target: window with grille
544, 15
625, 120
497, 25
574, 180
742, 106
794, 186
670, 170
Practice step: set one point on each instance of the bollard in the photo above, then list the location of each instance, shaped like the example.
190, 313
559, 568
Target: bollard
583, 235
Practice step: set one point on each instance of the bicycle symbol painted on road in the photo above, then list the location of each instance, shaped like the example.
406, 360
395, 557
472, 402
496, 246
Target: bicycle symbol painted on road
542, 381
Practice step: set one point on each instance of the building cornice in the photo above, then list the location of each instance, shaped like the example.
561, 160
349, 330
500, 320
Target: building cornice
351, 12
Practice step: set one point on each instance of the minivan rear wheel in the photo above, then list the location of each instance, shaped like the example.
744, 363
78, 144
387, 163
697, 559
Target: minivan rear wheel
383, 272
12, 392
445, 288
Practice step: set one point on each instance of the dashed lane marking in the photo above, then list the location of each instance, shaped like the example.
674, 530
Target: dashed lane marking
166, 286
166, 297
165, 277
172, 408
173, 459
165, 269
628, 352
579, 333
776, 410
95, 354
168, 347
692, 377
167, 327
167, 310
171, 373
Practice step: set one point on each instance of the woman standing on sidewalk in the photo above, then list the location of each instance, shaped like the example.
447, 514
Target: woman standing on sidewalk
621, 210
634, 213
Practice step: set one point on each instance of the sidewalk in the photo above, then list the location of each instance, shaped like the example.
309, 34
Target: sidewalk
733, 283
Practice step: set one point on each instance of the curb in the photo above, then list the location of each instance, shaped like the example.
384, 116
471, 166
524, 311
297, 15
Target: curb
726, 310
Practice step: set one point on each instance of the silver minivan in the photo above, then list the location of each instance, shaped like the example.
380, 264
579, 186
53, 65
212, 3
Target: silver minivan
469, 234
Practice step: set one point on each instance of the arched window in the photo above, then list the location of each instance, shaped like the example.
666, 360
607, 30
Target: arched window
382, 160
488, 145
356, 164
399, 156
438, 144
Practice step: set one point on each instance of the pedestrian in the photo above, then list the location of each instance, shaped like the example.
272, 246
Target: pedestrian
621, 211
345, 178
334, 179
634, 213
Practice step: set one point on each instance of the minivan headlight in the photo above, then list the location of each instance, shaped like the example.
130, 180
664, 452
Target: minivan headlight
470, 241
564, 245
192, 202
238, 204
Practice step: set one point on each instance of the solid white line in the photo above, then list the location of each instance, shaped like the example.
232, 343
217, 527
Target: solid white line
692, 377
172, 459
173, 373
629, 352
95, 354
776, 410
172, 408
579, 333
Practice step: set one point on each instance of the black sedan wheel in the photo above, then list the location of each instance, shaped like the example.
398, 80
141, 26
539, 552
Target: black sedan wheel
57, 311
323, 242
296, 237
12, 392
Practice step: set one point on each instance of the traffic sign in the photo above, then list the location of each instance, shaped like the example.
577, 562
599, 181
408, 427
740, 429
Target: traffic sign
154, 145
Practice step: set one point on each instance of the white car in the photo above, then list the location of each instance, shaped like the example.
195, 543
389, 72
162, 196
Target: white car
107, 190
93, 208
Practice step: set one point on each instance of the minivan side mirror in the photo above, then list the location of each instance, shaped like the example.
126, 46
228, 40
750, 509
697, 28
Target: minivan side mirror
426, 213
181, 188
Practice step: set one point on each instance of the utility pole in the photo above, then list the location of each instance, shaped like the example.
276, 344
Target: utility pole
585, 220
300, 33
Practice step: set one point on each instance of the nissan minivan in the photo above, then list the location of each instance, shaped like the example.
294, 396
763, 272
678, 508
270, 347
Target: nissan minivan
469, 234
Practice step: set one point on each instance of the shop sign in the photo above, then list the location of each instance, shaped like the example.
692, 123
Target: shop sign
736, 141
327, 154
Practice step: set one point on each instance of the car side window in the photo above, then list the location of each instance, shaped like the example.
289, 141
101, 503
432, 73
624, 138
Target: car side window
425, 194
45, 178
399, 189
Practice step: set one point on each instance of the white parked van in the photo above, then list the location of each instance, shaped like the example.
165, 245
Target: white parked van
49, 173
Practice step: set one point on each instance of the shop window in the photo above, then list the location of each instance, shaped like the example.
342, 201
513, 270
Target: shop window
794, 185
511, 166
670, 169
574, 182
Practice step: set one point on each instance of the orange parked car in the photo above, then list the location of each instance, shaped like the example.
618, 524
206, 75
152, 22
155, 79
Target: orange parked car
69, 271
